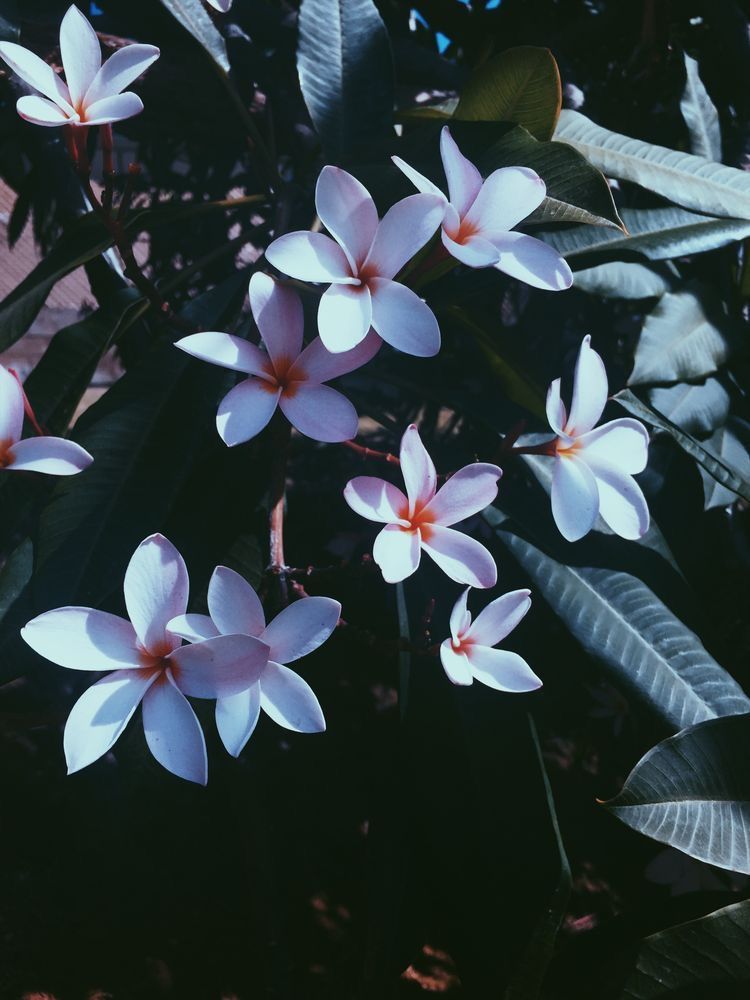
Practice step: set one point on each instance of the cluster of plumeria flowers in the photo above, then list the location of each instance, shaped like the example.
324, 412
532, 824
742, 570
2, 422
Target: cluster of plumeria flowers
164, 655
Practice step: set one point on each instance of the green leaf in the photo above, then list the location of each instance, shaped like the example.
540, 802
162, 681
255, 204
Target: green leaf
730, 448
698, 408
194, 17
619, 620
520, 85
691, 181
15, 574
692, 791
621, 280
346, 74
701, 117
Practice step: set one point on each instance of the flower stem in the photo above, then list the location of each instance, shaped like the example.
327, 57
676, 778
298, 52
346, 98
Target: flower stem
277, 560
379, 456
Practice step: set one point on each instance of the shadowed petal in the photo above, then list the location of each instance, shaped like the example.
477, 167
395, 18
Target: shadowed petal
300, 628
622, 442
228, 351
418, 469
455, 664
278, 313
621, 502
420, 182
156, 590
83, 639
234, 605
464, 180
404, 320
533, 261
404, 229
309, 257
589, 390
193, 628
556, 413
460, 616
119, 71
376, 500
347, 211
575, 498
53, 456
40, 111
237, 717
290, 701
396, 551
245, 410
34, 71
11, 408
114, 109
81, 53
502, 670
320, 412
474, 252
218, 667
467, 492
507, 196
460, 556
344, 317
318, 364
499, 618
173, 733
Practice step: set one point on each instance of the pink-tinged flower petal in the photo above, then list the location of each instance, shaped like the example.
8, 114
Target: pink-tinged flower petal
460, 556
556, 413
404, 320
218, 667
156, 590
114, 109
499, 618
317, 364
83, 639
290, 701
11, 408
420, 182
467, 492
237, 717
502, 670
460, 619
319, 412
455, 664
507, 196
621, 502
377, 500
277, 310
173, 733
575, 498
81, 53
348, 212
101, 714
228, 351
622, 442
590, 389
193, 628
245, 410
310, 257
50, 455
474, 252
533, 262
418, 470
119, 71
344, 317
396, 551
300, 628
404, 229
34, 71
464, 180
233, 604
40, 111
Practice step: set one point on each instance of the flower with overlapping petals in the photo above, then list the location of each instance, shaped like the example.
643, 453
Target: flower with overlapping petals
285, 375
92, 91
469, 654
53, 455
594, 466
149, 665
281, 693
420, 521
360, 262
480, 214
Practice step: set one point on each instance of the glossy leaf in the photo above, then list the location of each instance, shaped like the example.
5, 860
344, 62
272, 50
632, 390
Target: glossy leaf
696, 407
194, 17
700, 114
730, 445
623, 280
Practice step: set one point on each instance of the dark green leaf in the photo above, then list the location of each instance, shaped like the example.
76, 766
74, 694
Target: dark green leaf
701, 117
15, 574
729, 444
620, 280
194, 17
698, 408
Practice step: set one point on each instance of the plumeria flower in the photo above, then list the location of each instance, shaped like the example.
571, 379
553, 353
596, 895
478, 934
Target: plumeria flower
420, 520
594, 468
149, 663
469, 654
53, 455
286, 376
479, 216
221, 5
360, 263
281, 693
92, 93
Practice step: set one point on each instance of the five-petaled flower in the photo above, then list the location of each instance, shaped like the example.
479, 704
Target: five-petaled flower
53, 455
469, 655
150, 665
287, 376
594, 468
92, 92
421, 519
479, 216
360, 263
296, 631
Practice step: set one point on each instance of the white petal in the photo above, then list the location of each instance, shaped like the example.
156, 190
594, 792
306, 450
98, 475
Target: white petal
475, 251
532, 261
575, 498
290, 701
507, 196
348, 212
318, 364
114, 109
404, 229
455, 664
277, 310
502, 670
467, 492
590, 390
344, 316
228, 351
621, 502
622, 442
460, 619
156, 590
245, 410
221, 5
237, 717
53, 456
119, 71
418, 470
36, 73
11, 408
193, 628
83, 639
101, 714
556, 413
396, 551
377, 500
233, 604
81, 53
461, 557
218, 667
40, 111
404, 320
319, 412
173, 733
309, 257
420, 182
300, 628
464, 180
499, 618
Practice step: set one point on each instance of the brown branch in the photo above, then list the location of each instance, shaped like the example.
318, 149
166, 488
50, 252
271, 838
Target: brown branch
365, 453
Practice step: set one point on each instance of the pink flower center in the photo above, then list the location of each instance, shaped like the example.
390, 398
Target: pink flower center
465, 231
279, 377
6, 453
421, 520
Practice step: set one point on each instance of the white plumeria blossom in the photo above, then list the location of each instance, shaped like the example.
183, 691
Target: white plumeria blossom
360, 263
296, 631
480, 214
594, 466
419, 521
52, 455
469, 654
285, 375
92, 92
149, 663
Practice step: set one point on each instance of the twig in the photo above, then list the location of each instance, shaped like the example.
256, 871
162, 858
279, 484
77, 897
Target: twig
277, 560
379, 456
